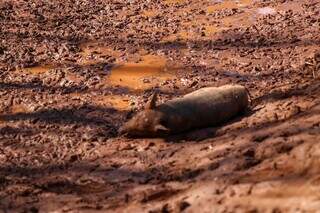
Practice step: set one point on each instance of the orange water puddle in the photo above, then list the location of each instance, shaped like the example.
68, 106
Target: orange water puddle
36, 70
149, 72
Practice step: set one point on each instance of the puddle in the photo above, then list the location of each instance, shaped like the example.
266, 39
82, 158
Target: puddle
142, 75
115, 101
37, 69
222, 5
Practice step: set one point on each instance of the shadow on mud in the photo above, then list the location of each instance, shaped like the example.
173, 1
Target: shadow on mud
209, 132
83, 179
103, 120
116, 183
278, 94
231, 39
38, 86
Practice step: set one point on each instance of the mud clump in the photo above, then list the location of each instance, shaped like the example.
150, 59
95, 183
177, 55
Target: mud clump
205, 107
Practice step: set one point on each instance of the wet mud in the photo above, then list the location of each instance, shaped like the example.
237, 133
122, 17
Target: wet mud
71, 73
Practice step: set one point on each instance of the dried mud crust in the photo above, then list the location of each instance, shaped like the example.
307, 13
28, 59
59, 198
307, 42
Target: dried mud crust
59, 149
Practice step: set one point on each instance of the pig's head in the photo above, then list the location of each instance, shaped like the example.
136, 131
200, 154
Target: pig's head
147, 123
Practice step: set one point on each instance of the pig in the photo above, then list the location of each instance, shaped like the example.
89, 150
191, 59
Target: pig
205, 107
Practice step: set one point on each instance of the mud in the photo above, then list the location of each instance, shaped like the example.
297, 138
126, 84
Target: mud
73, 72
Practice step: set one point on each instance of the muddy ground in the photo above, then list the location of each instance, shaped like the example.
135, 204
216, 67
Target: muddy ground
73, 71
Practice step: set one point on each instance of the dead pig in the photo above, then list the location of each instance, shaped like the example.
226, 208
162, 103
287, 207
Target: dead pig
202, 108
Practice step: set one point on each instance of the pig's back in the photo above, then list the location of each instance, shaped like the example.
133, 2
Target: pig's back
206, 107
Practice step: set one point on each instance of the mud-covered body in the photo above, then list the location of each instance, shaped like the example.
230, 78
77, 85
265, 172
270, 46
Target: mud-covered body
205, 107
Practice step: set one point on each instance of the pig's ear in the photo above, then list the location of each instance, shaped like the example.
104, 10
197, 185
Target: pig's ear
161, 128
151, 104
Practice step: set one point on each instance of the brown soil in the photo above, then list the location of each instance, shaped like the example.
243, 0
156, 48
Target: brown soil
71, 72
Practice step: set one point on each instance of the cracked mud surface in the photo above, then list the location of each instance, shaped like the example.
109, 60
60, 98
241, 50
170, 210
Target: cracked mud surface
71, 72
